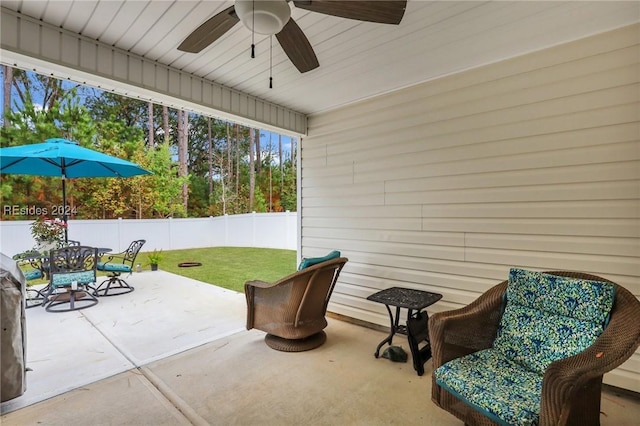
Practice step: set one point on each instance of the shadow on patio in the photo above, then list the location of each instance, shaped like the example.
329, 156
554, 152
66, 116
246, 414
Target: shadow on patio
175, 351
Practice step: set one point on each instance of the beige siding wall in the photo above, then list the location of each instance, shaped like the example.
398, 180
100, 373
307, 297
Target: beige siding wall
532, 162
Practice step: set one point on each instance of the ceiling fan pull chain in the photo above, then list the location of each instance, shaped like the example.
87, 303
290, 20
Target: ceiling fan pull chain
253, 31
271, 62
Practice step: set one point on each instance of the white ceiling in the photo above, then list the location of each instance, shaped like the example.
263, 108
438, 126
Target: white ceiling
358, 60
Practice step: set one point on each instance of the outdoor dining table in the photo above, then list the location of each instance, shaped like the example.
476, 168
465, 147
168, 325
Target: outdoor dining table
103, 250
40, 261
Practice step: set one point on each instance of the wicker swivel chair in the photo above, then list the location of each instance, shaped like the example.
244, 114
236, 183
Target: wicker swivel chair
571, 387
292, 310
116, 265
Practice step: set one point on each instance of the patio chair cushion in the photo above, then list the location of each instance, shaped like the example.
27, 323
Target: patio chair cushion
501, 389
65, 279
33, 274
114, 267
547, 317
306, 262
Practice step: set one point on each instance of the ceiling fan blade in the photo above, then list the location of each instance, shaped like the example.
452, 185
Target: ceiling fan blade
383, 12
210, 31
297, 47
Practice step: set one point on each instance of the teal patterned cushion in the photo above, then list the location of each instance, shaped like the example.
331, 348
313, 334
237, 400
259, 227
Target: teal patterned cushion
573, 297
547, 318
65, 279
114, 267
501, 389
33, 274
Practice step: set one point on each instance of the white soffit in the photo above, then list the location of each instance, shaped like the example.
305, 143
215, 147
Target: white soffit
30, 44
358, 60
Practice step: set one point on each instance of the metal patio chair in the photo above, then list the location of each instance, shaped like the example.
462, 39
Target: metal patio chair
72, 276
115, 266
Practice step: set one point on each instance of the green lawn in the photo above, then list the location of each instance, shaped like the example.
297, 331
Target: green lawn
228, 267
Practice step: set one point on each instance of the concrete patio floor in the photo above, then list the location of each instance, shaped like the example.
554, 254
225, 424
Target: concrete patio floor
175, 351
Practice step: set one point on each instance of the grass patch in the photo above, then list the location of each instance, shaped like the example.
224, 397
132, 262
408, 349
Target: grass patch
228, 267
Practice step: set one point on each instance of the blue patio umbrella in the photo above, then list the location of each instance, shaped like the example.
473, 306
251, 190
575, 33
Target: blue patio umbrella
64, 158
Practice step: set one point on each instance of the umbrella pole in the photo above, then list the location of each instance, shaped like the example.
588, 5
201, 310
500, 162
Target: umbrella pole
64, 208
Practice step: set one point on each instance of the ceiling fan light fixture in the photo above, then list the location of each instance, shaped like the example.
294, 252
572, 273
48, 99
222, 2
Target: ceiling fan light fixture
263, 16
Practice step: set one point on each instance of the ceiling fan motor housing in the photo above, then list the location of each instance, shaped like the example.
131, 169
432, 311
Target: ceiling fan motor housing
263, 16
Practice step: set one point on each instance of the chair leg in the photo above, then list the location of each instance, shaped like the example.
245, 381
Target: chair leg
34, 298
115, 286
76, 300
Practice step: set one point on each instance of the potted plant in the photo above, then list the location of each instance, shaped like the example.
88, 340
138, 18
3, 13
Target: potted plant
48, 233
154, 258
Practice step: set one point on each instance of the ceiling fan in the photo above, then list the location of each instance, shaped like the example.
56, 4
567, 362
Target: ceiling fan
274, 17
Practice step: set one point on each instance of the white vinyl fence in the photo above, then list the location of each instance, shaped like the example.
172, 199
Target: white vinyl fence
267, 230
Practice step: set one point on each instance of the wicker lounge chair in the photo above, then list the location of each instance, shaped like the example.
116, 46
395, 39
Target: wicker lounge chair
570, 386
292, 310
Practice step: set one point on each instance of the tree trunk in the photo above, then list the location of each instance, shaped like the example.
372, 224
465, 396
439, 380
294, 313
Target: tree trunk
270, 177
237, 160
52, 92
229, 158
252, 171
183, 123
8, 81
151, 129
227, 175
165, 123
280, 163
258, 152
294, 151
210, 157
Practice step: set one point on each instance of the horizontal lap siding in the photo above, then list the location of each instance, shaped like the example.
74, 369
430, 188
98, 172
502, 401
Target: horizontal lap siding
532, 162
